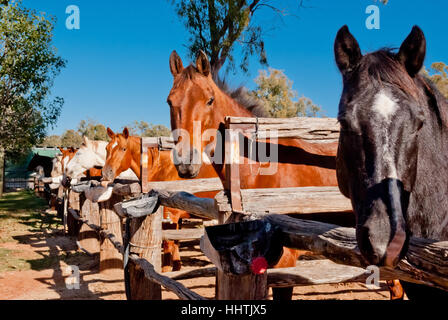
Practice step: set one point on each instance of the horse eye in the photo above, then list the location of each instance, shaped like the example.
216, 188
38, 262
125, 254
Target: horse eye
124, 149
210, 102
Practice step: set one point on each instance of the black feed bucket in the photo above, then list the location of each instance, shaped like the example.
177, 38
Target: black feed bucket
239, 248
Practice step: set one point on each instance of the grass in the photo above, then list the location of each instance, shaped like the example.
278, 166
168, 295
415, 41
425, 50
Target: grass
10, 262
20, 201
23, 212
22, 221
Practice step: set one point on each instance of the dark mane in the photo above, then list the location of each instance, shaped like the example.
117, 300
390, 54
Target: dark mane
384, 68
244, 98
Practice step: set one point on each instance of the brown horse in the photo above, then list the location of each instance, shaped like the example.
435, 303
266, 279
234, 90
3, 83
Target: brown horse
124, 152
196, 97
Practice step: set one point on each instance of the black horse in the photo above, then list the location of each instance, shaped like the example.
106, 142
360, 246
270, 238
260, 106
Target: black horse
392, 159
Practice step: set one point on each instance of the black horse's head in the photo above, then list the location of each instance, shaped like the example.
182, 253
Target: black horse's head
380, 115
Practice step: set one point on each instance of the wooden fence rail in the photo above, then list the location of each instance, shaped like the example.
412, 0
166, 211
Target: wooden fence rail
426, 262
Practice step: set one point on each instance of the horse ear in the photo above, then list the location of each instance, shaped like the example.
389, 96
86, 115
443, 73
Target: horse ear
72, 150
176, 65
110, 133
61, 149
85, 140
202, 63
346, 50
125, 133
412, 51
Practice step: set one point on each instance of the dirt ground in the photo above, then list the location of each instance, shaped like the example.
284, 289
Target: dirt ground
35, 255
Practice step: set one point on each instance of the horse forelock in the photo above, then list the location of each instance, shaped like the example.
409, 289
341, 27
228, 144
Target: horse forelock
383, 67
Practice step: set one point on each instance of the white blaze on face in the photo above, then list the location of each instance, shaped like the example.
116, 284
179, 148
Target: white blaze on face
65, 162
115, 144
385, 106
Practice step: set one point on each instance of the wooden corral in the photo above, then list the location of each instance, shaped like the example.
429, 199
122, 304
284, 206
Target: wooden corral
263, 213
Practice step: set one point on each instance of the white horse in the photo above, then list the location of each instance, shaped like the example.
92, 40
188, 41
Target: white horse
91, 154
56, 172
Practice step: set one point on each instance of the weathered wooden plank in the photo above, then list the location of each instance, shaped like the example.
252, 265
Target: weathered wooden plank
311, 272
203, 207
193, 186
183, 234
426, 261
312, 129
165, 143
315, 272
301, 200
232, 182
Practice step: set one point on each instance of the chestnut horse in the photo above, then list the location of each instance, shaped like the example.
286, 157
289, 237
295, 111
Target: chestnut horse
123, 153
59, 163
195, 97
88, 161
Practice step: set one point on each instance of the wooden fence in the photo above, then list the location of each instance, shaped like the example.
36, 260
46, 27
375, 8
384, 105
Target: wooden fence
255, 221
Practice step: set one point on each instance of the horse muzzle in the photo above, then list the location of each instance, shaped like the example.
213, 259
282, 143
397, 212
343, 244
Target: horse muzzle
108, 173
66, 181
381, 229
189, 165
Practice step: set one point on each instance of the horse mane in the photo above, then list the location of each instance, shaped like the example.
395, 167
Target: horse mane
244, 98
240, 94
383, 66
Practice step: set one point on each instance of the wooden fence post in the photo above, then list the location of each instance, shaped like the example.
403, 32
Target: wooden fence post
88, 239
146, 242
246, 287
73, 225
110, 258
229, 286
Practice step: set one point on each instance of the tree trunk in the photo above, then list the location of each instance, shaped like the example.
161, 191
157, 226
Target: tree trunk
2, 170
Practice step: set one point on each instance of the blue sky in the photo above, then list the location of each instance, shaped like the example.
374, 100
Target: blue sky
118, 71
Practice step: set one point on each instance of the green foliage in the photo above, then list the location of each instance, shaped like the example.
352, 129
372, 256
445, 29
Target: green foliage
96, 131
28, 66
438, 74
93, 130
71, 138
51, 141
144, 129
280, 99
215, 27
